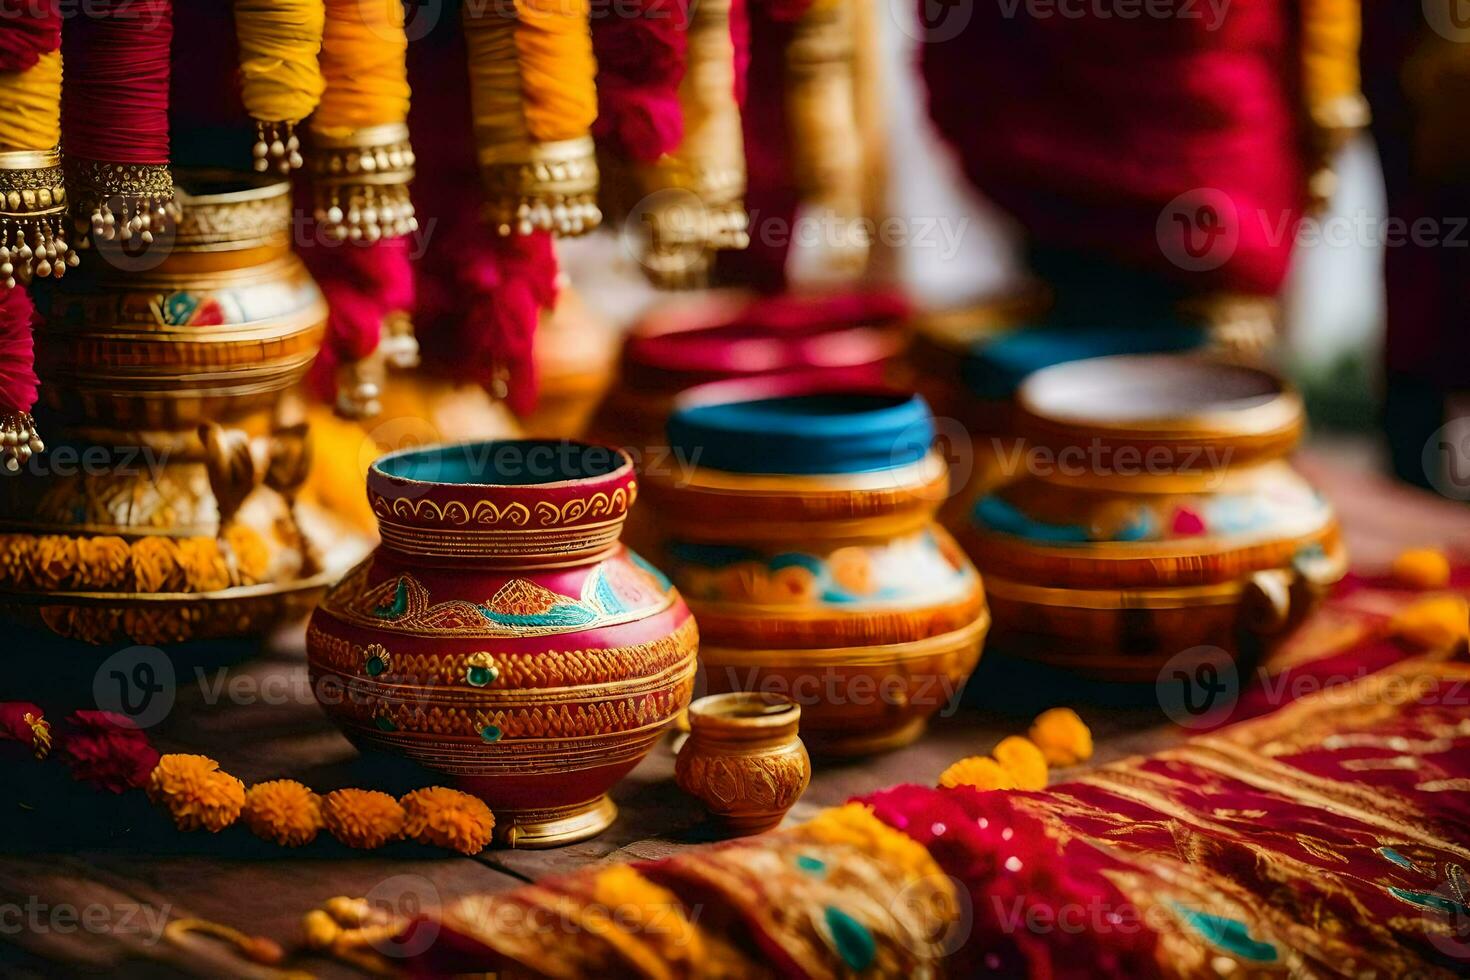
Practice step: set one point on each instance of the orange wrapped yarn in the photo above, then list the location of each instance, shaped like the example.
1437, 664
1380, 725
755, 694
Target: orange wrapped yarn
533, 100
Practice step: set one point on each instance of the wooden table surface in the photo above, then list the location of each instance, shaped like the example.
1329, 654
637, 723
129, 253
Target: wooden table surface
65, 857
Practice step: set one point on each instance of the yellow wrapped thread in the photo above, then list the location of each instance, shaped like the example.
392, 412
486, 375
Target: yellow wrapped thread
280, 78
685, 229
32, 189
533, 101
361, 159
1331, 33
826, 142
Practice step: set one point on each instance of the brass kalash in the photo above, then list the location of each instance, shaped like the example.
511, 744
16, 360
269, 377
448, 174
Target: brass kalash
164, 509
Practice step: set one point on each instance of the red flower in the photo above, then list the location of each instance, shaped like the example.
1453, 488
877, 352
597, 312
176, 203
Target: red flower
108, 751
23, 722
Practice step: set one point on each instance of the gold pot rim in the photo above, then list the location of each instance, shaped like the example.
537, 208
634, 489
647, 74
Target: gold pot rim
1266, 415
743, 711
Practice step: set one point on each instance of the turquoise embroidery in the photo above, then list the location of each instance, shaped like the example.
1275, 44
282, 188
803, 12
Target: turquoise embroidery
811, 865
852, 940
491, 734
568, 614
1429, 900
375, 666
1397, 858
1230, 935
398, 606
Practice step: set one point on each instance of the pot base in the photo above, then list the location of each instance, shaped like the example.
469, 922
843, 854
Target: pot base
531, 830
832, 745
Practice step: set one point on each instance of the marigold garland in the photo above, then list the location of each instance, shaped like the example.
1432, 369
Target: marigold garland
1023, 761
979, 771
1422, 568
363, 818
196, 793
155, 563
110, 753
447, 818
1058, 738
1062, 737
283, 811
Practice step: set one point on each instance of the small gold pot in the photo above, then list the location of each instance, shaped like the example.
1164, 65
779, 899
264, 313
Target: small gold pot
743, 759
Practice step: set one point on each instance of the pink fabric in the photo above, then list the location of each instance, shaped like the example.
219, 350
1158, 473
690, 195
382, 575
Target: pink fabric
28, 29
363, 282
640, 63
18, 384
480, 296
1086, 128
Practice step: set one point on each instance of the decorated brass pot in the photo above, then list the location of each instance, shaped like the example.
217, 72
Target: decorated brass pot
164, 510
743, 759
501, 635
801, 529
1157, 514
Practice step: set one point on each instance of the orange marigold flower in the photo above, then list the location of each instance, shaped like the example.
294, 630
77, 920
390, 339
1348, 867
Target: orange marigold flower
1023, 761
155, 561
104, 563
252, 556
53, 561
1062, 737
1422, 568
196, 793
979, 771
283, 811
448, 818
15, 558
362, 817
203, 566
1433, 623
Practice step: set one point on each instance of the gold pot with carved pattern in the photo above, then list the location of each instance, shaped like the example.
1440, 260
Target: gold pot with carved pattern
743, 759
502, 636
164, 509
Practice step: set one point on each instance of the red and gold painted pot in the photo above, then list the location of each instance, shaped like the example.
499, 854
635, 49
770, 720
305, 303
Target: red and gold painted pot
166, 508
804, 539
502, 636
853, 336
1158, 513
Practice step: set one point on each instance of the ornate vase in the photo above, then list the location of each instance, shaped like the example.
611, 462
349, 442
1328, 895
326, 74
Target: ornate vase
743, 759
502, 636
164, 510
801, 529
1156, 514
848, 336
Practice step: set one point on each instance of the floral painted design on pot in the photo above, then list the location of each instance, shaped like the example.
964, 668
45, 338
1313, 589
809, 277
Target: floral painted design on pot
743, 759
1157, 513
502, 636
805, 542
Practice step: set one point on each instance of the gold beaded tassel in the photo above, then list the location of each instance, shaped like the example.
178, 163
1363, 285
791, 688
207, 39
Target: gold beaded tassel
533, 101
686, 229
826, 142
19, 440
126, 203
32, 217
360, 183
276, 147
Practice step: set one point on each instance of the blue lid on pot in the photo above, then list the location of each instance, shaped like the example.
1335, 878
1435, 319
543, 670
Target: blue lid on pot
799, 430
995, 367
